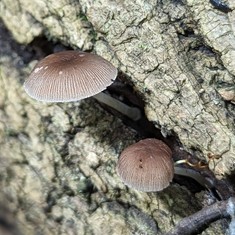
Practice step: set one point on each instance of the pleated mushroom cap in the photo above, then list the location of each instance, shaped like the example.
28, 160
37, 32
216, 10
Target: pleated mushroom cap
146, 165
69, 76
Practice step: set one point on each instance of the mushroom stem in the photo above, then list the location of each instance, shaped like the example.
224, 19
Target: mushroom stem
181, 161
205, 182
131, 112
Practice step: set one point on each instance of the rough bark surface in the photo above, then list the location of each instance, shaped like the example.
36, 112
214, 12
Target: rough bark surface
57, 161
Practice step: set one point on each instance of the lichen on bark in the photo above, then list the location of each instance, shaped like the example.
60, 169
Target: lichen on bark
58, 161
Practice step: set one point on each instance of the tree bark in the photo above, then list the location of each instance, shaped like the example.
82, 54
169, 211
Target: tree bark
57, 161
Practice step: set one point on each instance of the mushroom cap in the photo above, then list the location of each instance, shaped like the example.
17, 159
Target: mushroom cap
146, 165
69, 76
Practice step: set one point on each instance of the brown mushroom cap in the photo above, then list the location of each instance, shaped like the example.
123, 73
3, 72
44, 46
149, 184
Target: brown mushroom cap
69, 76
146, 165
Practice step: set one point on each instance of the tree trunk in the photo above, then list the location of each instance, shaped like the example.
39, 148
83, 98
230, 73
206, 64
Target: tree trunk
57, 161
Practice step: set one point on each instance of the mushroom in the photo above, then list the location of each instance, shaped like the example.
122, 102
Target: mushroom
148, 166
74, 75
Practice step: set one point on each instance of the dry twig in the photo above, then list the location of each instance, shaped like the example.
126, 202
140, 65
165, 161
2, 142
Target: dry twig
194, 223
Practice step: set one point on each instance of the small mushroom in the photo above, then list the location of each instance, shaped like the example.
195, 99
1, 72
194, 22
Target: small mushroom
148, 166
74, 75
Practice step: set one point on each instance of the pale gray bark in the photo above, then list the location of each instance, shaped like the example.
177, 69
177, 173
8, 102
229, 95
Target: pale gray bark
57, 170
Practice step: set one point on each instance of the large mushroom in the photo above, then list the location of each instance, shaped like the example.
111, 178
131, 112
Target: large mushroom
74, 75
